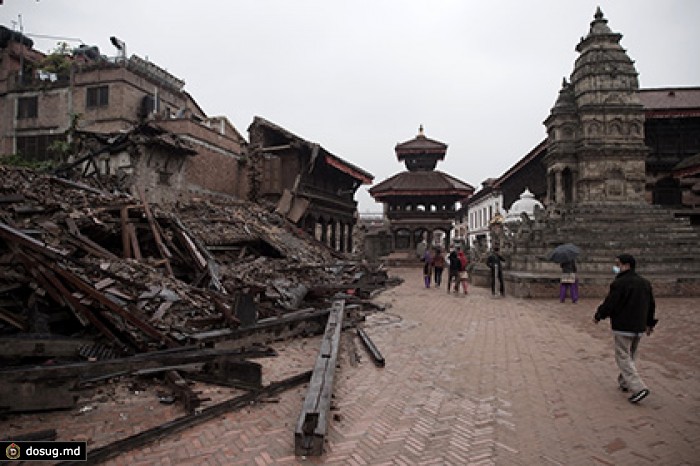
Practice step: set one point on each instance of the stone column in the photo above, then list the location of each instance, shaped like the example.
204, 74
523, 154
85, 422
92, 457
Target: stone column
558, 187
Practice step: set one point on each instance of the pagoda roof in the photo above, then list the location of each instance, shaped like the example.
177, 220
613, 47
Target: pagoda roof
421, 183
421, 145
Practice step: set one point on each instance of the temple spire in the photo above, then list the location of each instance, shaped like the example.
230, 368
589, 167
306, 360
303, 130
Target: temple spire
598, 13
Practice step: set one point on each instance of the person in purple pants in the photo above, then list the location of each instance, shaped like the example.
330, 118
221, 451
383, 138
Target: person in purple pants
569, 281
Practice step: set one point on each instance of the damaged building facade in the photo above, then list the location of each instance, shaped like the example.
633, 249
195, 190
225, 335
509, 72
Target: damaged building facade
67, 106
312, 187
128, 120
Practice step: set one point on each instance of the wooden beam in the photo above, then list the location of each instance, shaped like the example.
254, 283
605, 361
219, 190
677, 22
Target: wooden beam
28, 345
304, 322
312, 425
126, 240
131, 231
86, 288
13, 319
12, 234
100, 455
371, 348
156, 234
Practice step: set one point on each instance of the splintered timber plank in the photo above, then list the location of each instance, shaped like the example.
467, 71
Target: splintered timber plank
156, 233
11, 234
134, 240
86, 288
13, 319
312, 425
211, 266
126, 241
82, 312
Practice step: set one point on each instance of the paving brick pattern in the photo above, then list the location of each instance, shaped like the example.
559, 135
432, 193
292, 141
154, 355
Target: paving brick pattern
468, 380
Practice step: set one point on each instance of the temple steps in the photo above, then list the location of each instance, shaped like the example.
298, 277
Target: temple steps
666, 247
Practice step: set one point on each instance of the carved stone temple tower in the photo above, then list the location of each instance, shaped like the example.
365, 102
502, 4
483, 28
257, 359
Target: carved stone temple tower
596, 150
595, 164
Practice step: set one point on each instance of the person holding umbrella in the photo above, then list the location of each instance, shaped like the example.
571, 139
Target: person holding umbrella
565, 255
568, 282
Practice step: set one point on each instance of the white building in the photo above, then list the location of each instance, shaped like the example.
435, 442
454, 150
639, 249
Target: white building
483, 206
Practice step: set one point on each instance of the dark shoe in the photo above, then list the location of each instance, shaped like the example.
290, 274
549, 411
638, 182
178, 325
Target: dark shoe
639, 396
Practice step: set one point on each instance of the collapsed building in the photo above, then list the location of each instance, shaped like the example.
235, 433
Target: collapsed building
97, 285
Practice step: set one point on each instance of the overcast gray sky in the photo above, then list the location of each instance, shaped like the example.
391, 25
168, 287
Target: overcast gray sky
360, 76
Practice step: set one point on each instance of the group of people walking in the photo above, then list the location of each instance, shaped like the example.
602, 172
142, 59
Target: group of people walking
434, 263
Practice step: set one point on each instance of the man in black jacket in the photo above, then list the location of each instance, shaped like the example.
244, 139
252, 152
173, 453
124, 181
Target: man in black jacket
631, 308
495, 263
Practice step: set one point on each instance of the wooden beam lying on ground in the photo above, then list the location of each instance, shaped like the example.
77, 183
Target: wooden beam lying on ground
26, 345
305, 322
312, 425
52, 387
371, 348
88, 370
119, 447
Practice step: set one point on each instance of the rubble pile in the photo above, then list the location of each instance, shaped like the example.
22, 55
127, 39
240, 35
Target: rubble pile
78, 261
100, 287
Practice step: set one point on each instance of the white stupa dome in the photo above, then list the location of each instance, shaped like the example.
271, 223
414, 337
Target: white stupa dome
526, 204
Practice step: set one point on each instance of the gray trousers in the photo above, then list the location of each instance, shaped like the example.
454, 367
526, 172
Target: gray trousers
625, 350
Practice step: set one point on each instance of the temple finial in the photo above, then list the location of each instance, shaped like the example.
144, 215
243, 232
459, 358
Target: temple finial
598, 13
420, 131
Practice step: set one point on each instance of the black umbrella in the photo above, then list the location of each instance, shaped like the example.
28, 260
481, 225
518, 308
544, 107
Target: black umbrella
564, 253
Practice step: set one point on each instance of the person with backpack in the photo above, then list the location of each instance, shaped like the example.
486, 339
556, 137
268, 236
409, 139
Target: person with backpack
438, 266
453, 275
462, 272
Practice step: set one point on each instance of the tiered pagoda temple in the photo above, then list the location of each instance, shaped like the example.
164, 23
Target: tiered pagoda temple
595, 166
420, 203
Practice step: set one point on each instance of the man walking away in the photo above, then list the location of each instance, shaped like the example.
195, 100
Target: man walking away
453, 273
631, 307
438, 266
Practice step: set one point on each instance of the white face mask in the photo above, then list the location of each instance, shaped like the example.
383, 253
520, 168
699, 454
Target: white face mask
616, 269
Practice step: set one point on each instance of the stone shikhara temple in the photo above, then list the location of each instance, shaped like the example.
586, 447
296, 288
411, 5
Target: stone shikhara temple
595, 167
